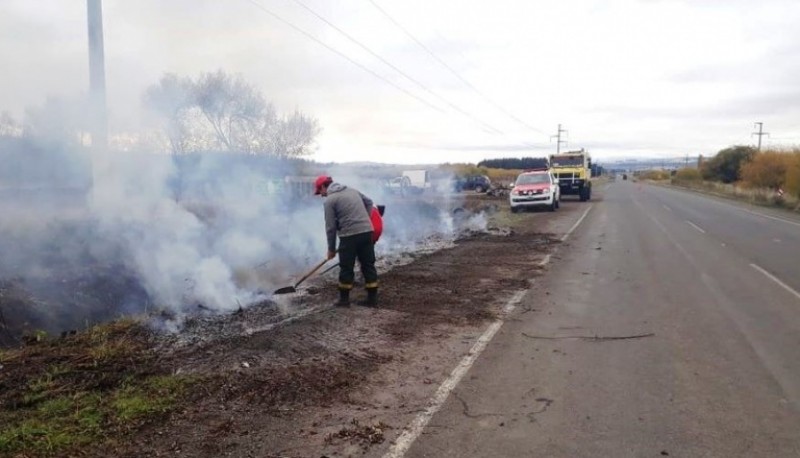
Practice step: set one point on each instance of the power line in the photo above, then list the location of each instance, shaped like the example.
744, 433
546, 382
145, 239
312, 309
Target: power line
453, 71
345, 56
420, 85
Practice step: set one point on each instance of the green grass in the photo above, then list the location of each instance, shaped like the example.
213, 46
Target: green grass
156, 395
56, 425
68, 422
60, 397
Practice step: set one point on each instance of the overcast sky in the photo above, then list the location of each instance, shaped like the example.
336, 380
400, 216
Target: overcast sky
625, 77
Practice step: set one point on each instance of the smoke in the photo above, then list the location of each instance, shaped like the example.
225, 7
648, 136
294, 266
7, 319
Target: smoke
194, 229
85, 241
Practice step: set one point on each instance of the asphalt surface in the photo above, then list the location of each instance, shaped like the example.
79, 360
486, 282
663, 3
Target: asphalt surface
699, 296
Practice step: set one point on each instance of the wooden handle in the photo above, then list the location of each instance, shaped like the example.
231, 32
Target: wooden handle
310, 273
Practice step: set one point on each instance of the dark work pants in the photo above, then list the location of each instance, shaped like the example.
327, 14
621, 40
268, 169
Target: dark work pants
357, 247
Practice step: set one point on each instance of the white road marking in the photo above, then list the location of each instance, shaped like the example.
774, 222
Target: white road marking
776, 280
696, 226
544, 261
768, 216
415, 428
575, 226
412, 432
666, 208
737, 207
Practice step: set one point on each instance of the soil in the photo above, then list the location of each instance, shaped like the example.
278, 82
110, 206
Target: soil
297, 377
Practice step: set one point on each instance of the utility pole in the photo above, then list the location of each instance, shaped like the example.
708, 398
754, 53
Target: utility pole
559, 141
97, 87
760, 133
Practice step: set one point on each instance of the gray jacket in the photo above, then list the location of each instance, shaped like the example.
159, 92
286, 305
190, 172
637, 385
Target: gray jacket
347, 212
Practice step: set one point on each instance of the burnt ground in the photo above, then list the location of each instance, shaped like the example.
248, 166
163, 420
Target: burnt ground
336, 382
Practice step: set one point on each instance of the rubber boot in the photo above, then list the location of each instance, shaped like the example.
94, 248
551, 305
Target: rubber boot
344, 298
372, 298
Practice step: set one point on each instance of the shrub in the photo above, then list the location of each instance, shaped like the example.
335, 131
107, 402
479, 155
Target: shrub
655, 175
766, 170
727, 164
793, 174
688, 174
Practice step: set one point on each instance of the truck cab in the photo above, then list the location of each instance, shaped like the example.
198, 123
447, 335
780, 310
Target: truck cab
574, 172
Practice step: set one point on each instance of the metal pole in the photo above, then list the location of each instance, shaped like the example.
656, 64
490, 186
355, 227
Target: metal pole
760, 133
97, 84
558, 141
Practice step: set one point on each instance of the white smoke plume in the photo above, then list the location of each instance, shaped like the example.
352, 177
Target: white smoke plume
164, 232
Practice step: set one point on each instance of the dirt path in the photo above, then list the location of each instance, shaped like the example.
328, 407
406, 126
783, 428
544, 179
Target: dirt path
344, 382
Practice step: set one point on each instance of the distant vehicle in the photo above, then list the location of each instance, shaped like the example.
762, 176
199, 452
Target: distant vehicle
574, 172
624, 176
419, 178
477, 183
535, 188
411, 182
398, 185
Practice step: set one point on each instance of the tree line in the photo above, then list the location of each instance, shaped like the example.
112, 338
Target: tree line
773, 169
515, 163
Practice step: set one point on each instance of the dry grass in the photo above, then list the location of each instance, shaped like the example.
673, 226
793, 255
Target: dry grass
763, 197
653, 175
502, 176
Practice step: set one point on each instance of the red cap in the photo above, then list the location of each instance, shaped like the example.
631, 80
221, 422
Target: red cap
321, 181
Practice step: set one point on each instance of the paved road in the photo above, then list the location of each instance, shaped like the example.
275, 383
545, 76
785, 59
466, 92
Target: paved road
719, 377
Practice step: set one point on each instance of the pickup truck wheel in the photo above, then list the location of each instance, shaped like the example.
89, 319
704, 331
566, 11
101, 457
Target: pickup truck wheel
514, 209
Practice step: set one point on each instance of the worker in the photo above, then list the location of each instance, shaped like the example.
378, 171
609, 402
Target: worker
347, 214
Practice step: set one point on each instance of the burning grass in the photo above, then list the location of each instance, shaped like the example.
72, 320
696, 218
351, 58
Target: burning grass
64, 395
110, 390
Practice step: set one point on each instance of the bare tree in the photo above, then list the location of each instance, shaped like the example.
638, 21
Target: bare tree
258, 137
218, 111
173, 98
232, 106
295, 135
